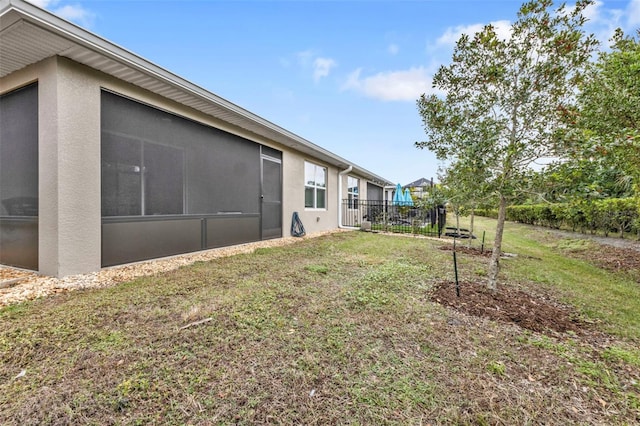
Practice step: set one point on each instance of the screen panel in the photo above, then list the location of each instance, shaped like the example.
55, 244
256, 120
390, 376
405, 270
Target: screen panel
220, 172
174, 173
19, 178
121, 175
164, 180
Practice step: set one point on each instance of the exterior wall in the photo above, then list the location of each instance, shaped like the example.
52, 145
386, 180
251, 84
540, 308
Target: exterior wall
70, 220
314, 220
78, 149
354, 217
48, 168
292, 161
69, 185
362, 189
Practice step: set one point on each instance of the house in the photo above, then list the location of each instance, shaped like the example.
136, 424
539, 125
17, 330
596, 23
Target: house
106, 158
420, 187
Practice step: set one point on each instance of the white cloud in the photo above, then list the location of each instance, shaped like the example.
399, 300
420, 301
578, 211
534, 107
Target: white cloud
71, 12
628, 18
322, 67
75, 13
404, 85
603, 20
452, 34
43, 3
393, 49
593, 11
605, 28
633, 13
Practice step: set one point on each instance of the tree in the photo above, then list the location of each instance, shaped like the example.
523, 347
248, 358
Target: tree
607, 121
506, 98
466, 180
580, 178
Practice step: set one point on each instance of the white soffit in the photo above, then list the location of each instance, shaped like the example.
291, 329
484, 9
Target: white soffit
29, 34
23, 44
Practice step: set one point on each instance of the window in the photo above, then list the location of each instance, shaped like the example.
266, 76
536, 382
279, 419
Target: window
140, 178
315, 186
352, 192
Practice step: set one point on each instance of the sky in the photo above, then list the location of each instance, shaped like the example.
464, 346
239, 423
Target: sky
344, 75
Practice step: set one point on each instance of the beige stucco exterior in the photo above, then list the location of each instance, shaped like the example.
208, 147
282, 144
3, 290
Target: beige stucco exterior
69, 164
72, 67
70, 168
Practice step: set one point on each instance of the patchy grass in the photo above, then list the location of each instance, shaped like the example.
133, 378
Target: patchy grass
570, 269
333, 330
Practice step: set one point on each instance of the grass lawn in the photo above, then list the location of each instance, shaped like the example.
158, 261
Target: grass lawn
339, 329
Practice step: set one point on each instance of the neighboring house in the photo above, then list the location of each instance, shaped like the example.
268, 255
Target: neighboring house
106, 158
420, 187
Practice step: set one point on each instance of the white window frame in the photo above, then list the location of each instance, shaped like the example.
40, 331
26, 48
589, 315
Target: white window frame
353, 197
312, 184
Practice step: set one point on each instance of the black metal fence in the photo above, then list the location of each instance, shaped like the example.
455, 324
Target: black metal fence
388, 217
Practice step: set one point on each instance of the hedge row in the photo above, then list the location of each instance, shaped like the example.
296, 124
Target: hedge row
613, 215
492, 213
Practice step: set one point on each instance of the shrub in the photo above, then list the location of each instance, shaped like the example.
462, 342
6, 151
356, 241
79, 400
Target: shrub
492, 213
608, 215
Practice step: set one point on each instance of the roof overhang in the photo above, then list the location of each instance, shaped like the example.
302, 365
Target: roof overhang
29, 34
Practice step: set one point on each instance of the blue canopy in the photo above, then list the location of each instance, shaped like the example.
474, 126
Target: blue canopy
408, 200
402, 197
398, 196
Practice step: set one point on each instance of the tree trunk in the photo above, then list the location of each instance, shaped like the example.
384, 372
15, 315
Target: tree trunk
471, 227
494, 264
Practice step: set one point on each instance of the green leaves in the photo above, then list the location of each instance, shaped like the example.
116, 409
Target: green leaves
505, 100
508, 91
607, 124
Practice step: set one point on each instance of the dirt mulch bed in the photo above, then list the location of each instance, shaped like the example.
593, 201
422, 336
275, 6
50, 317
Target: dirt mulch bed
474, 251
611, 253
613, 259
509, 305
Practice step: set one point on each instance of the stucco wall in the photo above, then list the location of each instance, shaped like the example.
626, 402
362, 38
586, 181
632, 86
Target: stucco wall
314, 220
48, 249
69, 164
69, 150
78, 148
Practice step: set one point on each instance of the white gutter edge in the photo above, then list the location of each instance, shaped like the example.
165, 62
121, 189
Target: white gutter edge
340, 175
